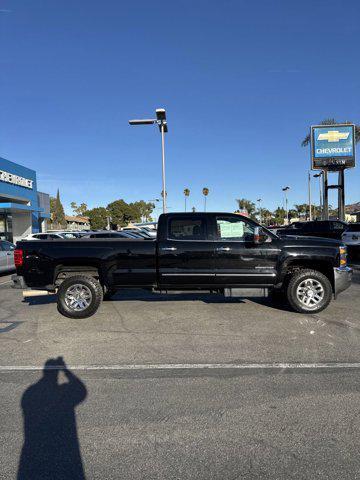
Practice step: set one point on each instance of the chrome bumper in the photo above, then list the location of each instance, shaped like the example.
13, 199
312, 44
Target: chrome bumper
342, 279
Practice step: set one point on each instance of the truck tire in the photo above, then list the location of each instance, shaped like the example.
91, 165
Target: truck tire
309, 291
79, 296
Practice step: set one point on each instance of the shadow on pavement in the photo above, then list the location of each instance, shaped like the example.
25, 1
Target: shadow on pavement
51, 447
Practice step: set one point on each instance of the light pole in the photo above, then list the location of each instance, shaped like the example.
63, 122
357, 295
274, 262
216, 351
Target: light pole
319, 175
285, 189
259, 200
160, 120
186, 194
309, 196
205, 192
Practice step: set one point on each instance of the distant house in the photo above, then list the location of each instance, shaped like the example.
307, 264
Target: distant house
77, 223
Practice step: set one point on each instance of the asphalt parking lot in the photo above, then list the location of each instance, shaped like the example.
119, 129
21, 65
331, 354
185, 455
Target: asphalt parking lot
182, 386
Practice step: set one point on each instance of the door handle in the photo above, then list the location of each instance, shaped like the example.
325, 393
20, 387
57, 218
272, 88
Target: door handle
169, 249
223, 249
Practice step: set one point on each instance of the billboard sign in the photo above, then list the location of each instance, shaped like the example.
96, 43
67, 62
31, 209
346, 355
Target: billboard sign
332, 147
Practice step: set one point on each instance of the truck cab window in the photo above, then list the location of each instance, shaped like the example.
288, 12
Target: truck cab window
187, 229
236, 229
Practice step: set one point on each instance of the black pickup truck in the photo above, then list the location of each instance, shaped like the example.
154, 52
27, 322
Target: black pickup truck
218, 252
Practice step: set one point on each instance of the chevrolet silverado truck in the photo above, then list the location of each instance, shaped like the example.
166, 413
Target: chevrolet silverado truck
219, 252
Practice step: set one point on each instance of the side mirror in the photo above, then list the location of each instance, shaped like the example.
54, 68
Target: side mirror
259, 236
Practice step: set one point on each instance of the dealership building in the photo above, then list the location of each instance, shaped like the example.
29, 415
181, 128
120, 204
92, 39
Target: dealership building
23, 210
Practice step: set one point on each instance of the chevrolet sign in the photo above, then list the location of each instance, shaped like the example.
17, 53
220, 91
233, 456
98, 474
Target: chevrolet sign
15, 179
332, 147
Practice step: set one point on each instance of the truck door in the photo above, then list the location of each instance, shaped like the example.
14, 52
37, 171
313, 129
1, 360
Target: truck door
186, 254
238, 260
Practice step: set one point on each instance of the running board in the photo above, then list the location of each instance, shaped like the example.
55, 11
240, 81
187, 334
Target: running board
246, 292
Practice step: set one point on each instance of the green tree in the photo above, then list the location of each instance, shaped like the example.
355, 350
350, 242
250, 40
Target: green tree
266, 215
302, 209
122, 213
79, 209
332, 121
279, 216
98, 218
293, 213
247, 205
144, 209
58, 215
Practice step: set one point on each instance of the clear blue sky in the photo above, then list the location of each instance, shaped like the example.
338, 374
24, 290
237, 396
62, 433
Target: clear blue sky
241, 82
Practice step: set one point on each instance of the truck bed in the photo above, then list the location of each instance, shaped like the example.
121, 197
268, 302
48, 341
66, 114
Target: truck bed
118, 261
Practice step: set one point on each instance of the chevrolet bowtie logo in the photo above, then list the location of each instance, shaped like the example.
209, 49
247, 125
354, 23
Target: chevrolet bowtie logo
333, 136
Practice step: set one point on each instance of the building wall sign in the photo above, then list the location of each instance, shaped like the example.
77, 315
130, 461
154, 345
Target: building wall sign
332, 147
15, 179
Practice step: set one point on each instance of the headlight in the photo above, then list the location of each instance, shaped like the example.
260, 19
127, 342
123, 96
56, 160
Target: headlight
343, 255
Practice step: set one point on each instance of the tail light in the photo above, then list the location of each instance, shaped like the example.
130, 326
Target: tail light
18, 257
343, 256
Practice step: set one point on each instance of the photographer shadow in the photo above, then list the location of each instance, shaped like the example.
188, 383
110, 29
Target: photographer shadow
51, 447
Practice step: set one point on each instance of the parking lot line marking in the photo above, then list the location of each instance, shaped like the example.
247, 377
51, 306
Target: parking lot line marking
190, 366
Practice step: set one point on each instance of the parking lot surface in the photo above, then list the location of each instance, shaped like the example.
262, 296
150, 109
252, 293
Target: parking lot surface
162, 397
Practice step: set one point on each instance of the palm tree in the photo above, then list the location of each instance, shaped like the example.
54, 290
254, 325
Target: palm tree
186, 194
247, 205
205, 192
332, 121
301, 209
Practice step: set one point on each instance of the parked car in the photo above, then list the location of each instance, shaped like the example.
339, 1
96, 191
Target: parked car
107, 234
197, 251
139, 232
317, 228
143, 231
6, 256
44, 236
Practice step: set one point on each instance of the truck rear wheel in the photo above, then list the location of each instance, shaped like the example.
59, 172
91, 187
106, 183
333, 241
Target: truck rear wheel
79, 296
309, 291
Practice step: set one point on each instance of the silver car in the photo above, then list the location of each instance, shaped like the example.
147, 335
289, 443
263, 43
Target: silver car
6, 256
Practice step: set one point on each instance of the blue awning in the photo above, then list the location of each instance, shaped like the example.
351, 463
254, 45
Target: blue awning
21, 208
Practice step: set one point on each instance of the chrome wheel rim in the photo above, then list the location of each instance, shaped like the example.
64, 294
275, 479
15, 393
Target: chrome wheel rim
310, 293
78, 297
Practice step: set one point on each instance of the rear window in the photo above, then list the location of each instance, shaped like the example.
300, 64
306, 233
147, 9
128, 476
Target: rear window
187, 228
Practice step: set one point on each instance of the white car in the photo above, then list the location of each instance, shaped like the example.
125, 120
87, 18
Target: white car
6, 256
44, 236
351, 236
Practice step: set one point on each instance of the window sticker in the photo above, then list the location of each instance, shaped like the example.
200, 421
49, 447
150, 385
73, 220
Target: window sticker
231, 230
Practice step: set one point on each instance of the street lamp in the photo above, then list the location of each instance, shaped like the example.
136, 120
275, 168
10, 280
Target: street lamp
285, 189
160, 120
319, 176
259, 200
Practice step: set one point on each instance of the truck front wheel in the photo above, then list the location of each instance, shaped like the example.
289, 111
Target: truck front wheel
309, 291
79, 296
